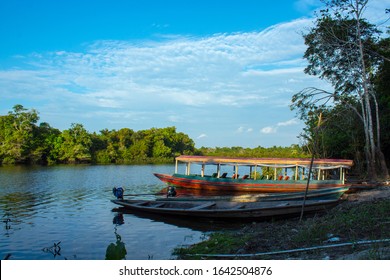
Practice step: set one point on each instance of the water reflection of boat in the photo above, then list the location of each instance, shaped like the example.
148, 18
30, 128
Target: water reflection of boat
227, 209
197, 224
328, 173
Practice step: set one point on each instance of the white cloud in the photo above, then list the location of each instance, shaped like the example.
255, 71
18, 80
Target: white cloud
268, 130
274, 129
288, 123
243, 129
203, 135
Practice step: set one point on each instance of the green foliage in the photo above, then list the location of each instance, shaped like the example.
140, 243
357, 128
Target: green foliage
23, 141
155, 145
382, 87
76, 145
345, 49
218, 243
294, 151
340, 135
333, 51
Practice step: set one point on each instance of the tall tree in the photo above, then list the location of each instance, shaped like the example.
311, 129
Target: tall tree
341, 50
17, 130
75, 144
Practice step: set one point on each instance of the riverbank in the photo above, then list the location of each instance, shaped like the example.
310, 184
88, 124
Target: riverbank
351, 230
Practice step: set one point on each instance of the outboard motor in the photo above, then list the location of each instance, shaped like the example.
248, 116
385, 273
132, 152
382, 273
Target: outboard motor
118, 192
171, 192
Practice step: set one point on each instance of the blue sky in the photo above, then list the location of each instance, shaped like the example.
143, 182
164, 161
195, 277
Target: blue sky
222, 72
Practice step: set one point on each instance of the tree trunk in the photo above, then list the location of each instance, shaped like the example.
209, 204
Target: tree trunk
382, 162
366, 97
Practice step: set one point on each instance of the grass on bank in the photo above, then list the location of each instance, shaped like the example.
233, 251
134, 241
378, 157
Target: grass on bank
349, 222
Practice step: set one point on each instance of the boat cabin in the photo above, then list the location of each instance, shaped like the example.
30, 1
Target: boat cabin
268, 168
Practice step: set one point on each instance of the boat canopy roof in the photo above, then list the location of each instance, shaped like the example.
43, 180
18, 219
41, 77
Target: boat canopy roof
268, 162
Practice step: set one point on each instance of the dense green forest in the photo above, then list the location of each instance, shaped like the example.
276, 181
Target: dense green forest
24, 141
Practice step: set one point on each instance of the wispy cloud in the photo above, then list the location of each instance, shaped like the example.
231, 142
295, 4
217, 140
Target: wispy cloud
274, 129
288, 123
244, 129
161, 82
268, 130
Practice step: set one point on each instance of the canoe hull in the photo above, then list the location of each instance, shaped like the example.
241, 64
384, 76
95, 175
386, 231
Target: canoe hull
245, 185
320, 194
228, 210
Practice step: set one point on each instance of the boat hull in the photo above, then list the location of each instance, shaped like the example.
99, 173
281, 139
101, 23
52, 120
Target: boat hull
245, 185
228, 210
320, 194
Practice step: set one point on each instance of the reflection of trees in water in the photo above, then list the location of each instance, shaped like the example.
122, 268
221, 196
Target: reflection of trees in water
18, 204
9, 224
117, 250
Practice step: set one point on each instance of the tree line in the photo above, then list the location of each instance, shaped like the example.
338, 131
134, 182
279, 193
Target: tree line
293, 151
24, 141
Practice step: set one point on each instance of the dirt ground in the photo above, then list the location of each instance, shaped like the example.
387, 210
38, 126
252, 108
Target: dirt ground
363, 216
369, 195
358, 197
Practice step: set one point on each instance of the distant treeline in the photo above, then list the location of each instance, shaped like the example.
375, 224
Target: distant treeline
293, 151
24, 141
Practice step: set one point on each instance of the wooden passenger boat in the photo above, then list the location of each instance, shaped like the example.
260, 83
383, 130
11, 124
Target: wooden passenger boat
227, 210
288, 174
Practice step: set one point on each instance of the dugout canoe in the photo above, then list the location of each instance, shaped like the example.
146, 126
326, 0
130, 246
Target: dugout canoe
227, 210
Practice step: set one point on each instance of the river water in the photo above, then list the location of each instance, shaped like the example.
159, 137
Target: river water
65, 212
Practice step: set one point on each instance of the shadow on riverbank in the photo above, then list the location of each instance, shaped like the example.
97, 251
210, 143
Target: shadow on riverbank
358, 228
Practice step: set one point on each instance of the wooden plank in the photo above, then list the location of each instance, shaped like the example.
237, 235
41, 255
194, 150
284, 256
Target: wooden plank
202, 206
157, 205
238, 206
143, 203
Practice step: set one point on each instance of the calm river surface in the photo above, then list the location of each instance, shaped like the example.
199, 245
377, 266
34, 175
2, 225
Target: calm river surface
64, 212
